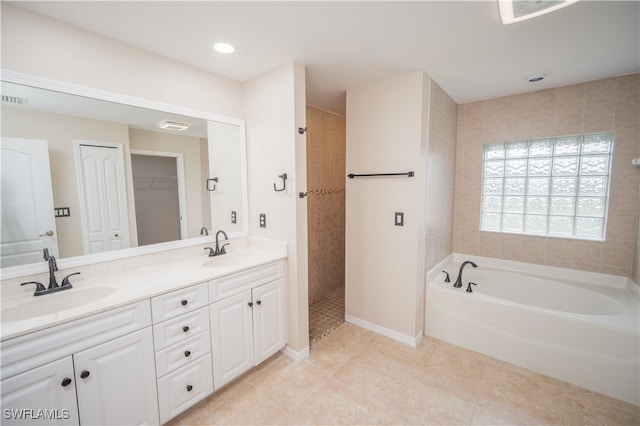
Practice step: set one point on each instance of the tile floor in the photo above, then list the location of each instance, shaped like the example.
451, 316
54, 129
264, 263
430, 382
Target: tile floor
326, 314
354, 376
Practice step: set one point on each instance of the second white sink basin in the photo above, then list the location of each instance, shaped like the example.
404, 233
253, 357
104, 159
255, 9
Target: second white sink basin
231, 259
55, 302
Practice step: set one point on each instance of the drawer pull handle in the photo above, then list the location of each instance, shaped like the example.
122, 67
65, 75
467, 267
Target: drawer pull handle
187, 354
259, 302
250, 304
84, 374
66, 382
189, 388
184, 302
185, 328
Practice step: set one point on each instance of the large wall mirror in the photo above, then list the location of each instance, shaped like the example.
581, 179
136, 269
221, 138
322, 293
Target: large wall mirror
85, 175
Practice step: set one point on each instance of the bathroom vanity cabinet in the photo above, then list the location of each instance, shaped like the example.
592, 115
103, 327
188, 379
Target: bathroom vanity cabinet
146, 362
97, 370
247, 320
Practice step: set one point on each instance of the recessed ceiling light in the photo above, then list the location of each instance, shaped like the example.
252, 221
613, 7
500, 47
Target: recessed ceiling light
224, 48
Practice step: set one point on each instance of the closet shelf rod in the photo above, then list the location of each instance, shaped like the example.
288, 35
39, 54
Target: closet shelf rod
408, 174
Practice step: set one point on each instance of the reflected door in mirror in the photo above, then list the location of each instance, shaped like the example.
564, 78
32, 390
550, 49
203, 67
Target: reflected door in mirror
104, 198
28, 223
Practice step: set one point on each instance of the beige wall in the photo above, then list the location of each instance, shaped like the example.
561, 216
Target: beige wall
60, 131
441, 157
275, 109
326, 176
41, 46
611, 104
387, 133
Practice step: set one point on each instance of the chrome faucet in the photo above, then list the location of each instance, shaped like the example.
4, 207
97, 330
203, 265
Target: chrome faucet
218, 250
458, 282
204, 231
53, 284
221, 250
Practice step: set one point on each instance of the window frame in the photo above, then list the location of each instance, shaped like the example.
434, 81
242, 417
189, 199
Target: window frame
566, 169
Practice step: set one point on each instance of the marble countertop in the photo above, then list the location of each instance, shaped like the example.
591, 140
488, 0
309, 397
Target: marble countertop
132, 286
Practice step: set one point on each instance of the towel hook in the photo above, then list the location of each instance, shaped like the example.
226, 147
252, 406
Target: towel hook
284, 183
215, 179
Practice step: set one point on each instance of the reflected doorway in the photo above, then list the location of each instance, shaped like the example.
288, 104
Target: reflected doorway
158, 184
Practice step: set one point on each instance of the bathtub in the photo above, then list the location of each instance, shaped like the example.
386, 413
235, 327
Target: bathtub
579, 327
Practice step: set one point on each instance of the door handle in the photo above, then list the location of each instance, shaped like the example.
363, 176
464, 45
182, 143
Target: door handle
49, 233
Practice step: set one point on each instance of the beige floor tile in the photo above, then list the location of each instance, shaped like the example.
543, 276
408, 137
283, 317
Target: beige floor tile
336, 403
589, 408
377, 375
432, 402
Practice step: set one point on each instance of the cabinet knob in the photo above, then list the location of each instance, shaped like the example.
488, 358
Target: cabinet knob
184, 302
189, 388
66, 382
187, 353
250, 304
259, 302
185, 328
84, 374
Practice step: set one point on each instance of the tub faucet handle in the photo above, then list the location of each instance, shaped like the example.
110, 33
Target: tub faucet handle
446, 278
469, 287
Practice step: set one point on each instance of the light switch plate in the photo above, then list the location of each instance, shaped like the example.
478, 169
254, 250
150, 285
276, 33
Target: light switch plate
399, 219
263, 220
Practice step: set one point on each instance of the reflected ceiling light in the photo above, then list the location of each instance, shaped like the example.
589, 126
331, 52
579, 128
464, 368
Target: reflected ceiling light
533, 78
173, 125
518, 10
224, 48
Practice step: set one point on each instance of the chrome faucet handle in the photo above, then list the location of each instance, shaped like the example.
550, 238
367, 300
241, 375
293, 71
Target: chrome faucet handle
211, 251
39, 287
469, 287
222, 250
65, 281
446, 278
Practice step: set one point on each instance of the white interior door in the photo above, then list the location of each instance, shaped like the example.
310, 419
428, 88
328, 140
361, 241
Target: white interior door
27, 215
103, 197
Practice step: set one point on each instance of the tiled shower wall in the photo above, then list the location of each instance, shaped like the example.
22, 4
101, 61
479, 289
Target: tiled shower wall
611, 104
326, 136
441, 157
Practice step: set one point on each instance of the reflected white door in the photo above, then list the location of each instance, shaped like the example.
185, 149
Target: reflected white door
28, 222
103, 197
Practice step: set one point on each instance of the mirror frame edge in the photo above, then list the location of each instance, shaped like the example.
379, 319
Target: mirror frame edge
103, 95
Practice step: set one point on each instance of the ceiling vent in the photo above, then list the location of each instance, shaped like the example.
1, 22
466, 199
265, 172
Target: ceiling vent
13, 100
518, 10
173, 125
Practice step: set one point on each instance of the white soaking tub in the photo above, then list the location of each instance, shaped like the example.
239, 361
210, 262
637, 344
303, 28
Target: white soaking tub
576, 326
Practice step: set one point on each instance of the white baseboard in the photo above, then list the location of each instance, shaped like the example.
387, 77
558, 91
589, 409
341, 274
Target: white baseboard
403, 338
296, 355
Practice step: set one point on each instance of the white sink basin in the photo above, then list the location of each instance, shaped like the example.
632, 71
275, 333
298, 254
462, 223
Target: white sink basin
55, 302
231, 259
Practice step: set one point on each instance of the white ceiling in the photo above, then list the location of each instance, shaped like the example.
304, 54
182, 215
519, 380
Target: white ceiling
462, 44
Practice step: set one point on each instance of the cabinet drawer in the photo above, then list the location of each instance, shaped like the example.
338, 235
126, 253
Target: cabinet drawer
178, 302
245, 280
178, 329
184, 387
168, 359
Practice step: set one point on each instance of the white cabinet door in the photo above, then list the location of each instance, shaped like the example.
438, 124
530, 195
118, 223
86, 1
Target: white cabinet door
43, 395
116, 381
231, 338
268, 319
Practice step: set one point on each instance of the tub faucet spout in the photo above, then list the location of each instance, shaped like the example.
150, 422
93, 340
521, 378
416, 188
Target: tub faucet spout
458, 282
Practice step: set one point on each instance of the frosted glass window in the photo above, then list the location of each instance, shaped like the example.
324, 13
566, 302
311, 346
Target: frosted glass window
553, 186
